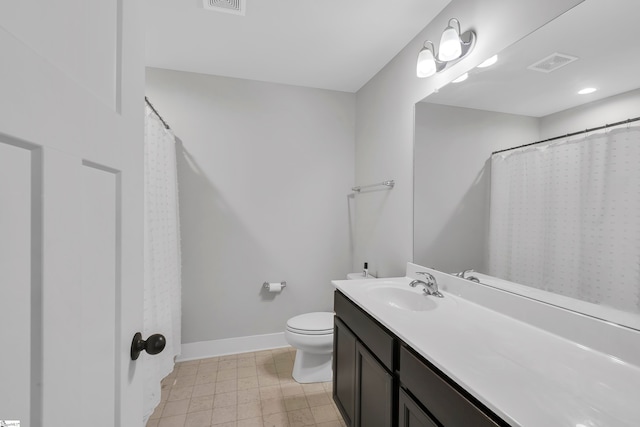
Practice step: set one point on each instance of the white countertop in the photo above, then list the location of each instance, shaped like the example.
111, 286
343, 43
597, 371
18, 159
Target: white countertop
526, 375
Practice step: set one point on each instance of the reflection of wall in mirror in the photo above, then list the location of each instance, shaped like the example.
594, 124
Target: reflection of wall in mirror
598, 113
451, 181
451, 177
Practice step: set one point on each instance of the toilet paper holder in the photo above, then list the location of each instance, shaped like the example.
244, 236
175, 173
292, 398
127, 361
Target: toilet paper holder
266, 285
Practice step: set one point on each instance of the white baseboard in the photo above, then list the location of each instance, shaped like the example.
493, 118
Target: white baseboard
204, 349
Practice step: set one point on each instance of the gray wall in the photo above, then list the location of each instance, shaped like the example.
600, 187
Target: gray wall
452, 170
264, 171
385, 115
609, 110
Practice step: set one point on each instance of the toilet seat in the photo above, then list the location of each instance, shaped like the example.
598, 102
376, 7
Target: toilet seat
318, 323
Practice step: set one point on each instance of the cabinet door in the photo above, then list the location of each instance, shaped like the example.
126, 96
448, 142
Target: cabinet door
369, 332
344, 370
410, 414
374, 391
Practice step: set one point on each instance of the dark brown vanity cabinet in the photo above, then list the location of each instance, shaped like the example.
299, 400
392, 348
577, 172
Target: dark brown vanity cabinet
445, 401
378, 381
410, 413
344, 370
374, 391
363, 383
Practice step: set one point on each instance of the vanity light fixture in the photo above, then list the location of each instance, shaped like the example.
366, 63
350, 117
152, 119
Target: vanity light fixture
428, 64
488, 62
450, 43
453, 47
587, 90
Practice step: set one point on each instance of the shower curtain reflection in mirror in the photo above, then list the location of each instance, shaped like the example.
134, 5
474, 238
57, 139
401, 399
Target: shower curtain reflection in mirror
565, 217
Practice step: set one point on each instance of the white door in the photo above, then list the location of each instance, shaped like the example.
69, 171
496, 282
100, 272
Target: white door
71, 211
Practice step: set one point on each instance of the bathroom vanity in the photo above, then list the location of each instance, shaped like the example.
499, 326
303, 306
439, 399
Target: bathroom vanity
402, 358
363, 381
378, 378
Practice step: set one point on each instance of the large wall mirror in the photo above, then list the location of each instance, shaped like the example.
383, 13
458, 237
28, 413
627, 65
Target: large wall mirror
529, 94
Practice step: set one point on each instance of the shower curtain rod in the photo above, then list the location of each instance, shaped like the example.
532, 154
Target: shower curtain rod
635, 119
166, 126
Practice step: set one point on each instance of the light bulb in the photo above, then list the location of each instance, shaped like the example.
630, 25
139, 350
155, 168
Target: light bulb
426, 63
586, 90
488, 62
450, 47
462, 78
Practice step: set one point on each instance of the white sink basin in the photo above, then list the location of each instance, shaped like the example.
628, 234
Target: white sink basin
403, 299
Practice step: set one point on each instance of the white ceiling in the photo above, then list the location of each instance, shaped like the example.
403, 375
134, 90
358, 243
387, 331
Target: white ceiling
329, 44
602, 34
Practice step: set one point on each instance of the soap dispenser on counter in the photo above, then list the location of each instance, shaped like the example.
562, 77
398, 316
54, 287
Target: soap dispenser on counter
362, 275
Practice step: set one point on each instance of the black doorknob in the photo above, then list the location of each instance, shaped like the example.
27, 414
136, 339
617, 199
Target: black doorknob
153, 345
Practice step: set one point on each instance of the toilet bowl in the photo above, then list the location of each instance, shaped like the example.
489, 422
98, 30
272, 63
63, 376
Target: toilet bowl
312, 336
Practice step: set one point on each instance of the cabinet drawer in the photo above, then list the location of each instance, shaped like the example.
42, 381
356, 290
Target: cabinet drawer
367, 330
447, 404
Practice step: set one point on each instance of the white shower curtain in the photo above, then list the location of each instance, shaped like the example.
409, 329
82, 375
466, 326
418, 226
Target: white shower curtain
162, 287
565, 217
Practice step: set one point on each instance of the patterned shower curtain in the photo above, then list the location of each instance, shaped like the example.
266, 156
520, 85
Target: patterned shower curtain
162, 286
565, 217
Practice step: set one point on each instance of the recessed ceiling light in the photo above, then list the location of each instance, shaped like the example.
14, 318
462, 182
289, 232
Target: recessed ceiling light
461, 78
587, 90
489, 62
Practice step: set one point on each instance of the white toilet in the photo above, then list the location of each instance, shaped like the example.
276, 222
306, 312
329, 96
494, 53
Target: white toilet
312, 335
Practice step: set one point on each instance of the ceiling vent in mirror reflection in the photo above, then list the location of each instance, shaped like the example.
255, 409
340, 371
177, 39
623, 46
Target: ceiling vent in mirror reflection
552, 62
236, 7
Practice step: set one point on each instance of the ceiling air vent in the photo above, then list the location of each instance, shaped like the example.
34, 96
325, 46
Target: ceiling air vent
237, 7
552, 62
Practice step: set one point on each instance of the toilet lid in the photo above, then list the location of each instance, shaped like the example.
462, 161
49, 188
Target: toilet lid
318, 323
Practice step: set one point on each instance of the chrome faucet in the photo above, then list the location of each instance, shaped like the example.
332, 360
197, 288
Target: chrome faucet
430, 285
472, 278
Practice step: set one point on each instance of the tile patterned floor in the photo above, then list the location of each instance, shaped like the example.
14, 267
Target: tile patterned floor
243, 390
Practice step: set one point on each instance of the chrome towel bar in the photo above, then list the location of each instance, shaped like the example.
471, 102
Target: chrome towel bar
390, 183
